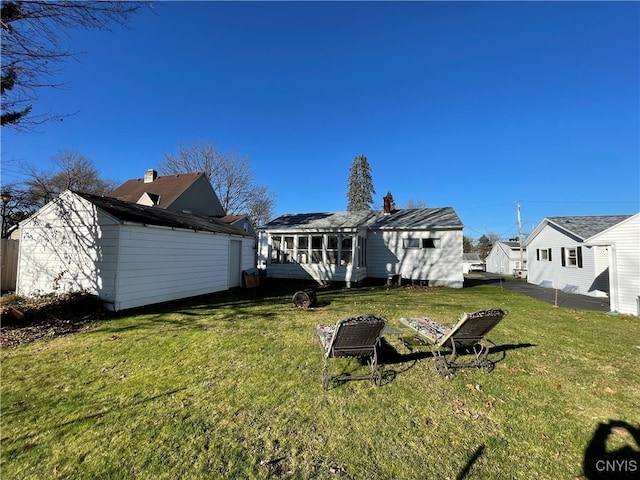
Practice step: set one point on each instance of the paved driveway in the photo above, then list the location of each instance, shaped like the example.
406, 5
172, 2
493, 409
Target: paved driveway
547, 295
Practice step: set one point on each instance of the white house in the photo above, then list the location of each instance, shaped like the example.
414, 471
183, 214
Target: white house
422, 245
559, 254
128, 254
622, 244
505, 257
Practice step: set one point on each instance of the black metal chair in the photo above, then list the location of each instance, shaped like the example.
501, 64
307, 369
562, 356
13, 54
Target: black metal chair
466, 337
351, 337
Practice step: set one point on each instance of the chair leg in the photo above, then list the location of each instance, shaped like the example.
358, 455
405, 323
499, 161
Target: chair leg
375, 373
325, 375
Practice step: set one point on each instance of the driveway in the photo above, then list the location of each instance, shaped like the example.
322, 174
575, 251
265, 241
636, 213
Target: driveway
547, 295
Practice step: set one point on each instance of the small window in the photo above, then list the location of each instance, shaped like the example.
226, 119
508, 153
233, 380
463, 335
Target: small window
316, 249
543, 255
346, 251
430, 243
571, 256
332, 249
362, 251
411, 243
288, 250
303, 249
276, 253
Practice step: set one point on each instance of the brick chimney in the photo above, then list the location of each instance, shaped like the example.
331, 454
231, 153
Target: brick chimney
386, 207
150, 175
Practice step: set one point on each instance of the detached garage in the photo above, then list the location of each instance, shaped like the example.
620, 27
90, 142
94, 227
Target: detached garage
128, 254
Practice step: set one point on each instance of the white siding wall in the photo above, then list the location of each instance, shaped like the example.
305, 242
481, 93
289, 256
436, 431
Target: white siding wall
625, 239
67, 246
160, 264
553, 273
442, 266
498, 261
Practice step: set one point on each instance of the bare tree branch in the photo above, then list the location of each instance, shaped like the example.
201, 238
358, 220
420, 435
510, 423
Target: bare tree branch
231, 177
32, 53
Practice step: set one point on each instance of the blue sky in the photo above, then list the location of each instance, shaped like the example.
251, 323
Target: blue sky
477, 106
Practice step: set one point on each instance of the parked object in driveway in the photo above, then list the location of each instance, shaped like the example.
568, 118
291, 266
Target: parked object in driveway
476, 267
520, 273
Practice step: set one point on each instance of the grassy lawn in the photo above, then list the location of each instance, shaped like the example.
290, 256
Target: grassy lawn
229, 386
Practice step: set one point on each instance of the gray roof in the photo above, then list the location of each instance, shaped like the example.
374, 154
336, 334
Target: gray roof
133, 212
513, 245
412, 218
471, 257
587, 226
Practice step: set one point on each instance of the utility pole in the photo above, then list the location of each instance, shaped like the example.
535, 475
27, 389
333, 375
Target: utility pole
520, 238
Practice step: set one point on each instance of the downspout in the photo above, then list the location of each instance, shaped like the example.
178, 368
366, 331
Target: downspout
614, 292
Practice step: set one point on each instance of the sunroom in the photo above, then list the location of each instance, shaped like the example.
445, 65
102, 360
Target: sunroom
321, 256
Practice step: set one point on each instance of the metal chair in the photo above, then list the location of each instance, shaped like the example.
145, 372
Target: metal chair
351, 337
466, 337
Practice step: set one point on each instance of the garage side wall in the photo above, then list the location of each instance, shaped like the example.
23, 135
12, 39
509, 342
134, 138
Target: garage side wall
159, 264
69, 245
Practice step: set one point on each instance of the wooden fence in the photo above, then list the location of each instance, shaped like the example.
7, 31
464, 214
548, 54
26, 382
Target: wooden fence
8, 263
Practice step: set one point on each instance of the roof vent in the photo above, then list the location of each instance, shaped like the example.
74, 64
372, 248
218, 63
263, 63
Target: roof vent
150, 175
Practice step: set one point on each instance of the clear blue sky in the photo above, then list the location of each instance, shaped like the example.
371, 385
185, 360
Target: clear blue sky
471, 105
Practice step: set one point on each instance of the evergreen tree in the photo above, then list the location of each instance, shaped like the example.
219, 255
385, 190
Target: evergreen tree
360, 185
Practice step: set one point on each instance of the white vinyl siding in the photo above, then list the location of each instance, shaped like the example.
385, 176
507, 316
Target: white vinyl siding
160, 264
551, 272
504, 260
622, 243
69, 246
72, 245
441, 266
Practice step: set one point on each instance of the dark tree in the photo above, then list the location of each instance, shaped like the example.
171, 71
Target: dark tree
32, 53
467, 245
485, 243
360, 185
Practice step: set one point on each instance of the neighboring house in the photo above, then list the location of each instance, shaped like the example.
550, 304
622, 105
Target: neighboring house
240, 221
186, 193
418, 244
128, 254
559, 255
622, 243
471, 263
505, 258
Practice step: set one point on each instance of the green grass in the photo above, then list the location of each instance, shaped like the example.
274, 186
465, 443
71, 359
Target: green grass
229, 386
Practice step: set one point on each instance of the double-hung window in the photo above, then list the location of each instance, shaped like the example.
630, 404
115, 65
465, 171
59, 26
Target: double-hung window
571, 257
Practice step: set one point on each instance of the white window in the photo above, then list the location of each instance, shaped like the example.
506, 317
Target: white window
288, 249
411, 243
346, 251
316, 249
571, 257
276, 252
303, 249
543, 255
421, 243
332, 249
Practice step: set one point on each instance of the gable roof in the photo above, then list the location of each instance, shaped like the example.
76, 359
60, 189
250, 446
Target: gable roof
416, 218
582, 227
167, 188
136, 213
